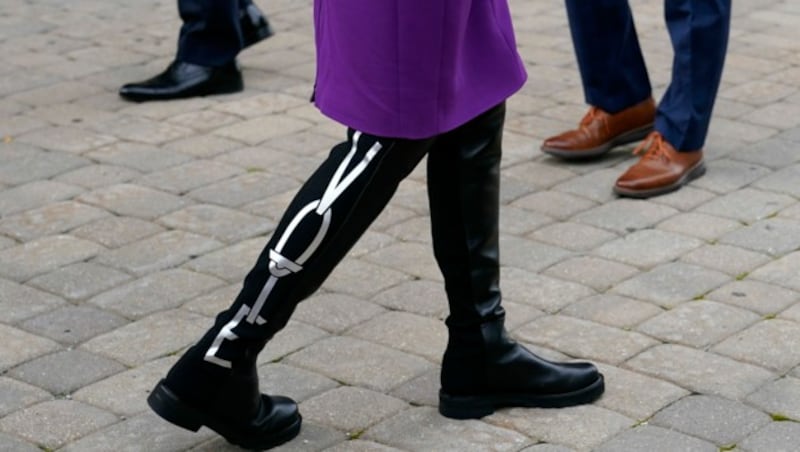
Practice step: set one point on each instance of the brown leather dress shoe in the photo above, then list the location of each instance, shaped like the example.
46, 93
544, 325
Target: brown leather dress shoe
600, 131
661, 169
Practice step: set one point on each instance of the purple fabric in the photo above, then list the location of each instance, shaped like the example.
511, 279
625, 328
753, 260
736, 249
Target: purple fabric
413, 68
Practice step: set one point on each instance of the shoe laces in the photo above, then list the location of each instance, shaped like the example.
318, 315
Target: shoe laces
654, 148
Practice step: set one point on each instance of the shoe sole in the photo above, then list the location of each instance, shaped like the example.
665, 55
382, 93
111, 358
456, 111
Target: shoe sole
698, 170
167, 405
584, 154
476, 407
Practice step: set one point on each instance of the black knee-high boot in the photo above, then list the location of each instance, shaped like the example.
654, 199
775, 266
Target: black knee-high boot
483, 368
215, 382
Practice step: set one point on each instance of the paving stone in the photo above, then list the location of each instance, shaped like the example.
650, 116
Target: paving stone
149, 338
769, 344
420, 297
144, 130
595, 424
312, 437
154, 292
573, 236
700, 371
774, 153
774, 236
18, 302
624, 216
67, 139
133, 200
425, 429
406, 332
183, 178
655, 439
420, 391
213, 301
38, 165
781, 272
412, 258
516, 221
294, 337
702, 226
747, 205
203, 146
714, 419
727, 259
612, 310
544, 447
97, 176
55, 423
336, 313
158, 252
243, 189
595, 185
635, 395
685, 199
541, 292
765, 299
217, 222
729, 176
351, 409
554, 204
648, 248
80, 281
113, 232
257, 130
361, 446
73, 324
127, 436
125, 393
782, 181
360, 363
34, 195
44, 255
780, 397
299, 384
49, 220
583, 339
671, 284
698, 323
776, 437
140, 157
16, 395
584, 270
230, 263
11, 444
65, 371
362, 279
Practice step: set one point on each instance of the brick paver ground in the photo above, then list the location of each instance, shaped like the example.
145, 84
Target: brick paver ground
124, 228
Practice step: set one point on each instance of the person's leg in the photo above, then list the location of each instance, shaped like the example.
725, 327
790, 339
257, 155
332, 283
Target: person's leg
483, 369
614, 77
699, 32
215, 383
211, 34
607, 49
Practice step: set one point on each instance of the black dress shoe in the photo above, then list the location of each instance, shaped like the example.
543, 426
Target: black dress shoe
255, 26
182, 79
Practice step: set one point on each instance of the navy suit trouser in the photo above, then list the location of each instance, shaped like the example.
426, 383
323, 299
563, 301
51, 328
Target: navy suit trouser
613, 70
211, 34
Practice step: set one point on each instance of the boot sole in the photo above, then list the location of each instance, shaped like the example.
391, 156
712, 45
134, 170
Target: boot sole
167, 405
476, 407
698, 170
583, 154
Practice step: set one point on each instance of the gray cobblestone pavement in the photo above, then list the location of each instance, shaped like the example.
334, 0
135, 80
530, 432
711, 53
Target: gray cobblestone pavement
125, 227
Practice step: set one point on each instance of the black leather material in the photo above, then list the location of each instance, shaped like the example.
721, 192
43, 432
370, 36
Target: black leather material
230, 404
181, 80
483, 368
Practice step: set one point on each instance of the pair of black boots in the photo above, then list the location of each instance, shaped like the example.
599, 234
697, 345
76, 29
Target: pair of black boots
483, 369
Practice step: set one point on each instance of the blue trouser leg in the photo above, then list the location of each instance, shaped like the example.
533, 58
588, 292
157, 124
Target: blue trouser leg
211, 33
699, 32
610, 60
